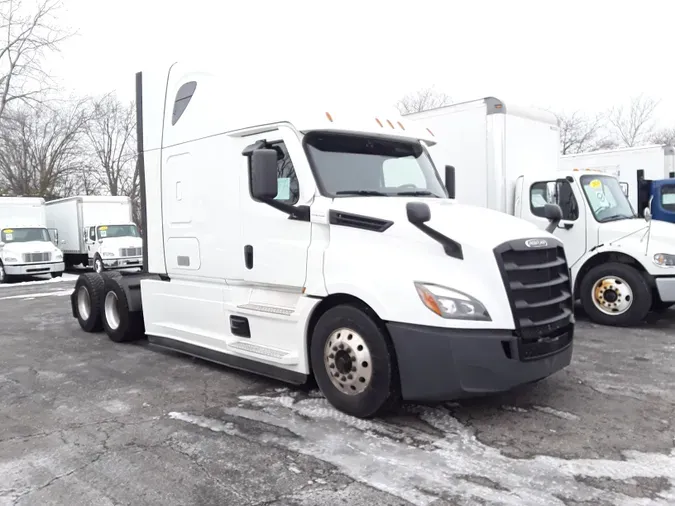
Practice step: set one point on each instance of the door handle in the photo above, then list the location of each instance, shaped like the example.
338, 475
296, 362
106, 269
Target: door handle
566, 226
248, 256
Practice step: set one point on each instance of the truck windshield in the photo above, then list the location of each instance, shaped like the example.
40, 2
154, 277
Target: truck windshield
24, 235
117, 231
347, 164
668, 197
606, 198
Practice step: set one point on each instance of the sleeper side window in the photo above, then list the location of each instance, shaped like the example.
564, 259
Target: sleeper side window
554, 192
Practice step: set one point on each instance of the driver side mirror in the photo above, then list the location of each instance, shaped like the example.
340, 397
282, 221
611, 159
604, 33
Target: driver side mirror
263, 174
552, 213
450, 180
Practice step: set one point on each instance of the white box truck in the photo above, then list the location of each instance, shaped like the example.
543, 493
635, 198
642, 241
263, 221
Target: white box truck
507, 157
645, 172
324, 243
26, 246
97, 231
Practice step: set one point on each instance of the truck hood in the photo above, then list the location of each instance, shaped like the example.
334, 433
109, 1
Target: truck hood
634, 230
114, 243
471, 225
30, 247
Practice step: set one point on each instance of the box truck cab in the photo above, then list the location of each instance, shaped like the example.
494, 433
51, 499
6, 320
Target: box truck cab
646, 173
26, 246
97, 231
319, 242
506, 158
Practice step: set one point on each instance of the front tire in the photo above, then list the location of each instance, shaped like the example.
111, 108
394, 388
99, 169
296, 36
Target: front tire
98, 264
353, 362
121, 324
3, 274
57, 275
615, 294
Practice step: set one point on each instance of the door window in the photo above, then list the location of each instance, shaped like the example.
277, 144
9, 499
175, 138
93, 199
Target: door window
287, 181
554, 192
92, 233
668, 197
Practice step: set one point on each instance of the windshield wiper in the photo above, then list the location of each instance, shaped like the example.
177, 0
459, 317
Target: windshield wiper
616, 217
418, 193
373, 193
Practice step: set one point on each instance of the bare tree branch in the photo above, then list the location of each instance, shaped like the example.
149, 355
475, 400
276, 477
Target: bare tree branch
27, 34
422, 100
663, 136
578, 132
634, 125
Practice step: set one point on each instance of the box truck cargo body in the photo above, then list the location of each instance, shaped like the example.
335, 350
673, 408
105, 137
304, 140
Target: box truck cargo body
26, 246
96, 231
647, 173
507, 158
312, 242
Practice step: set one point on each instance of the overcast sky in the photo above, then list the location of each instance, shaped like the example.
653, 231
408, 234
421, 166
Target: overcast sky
565, 55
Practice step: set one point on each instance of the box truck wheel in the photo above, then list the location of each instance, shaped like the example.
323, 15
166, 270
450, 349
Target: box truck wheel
3, 274
615, 294
353, 362
98, 264
119, 323
87, 301
57, 274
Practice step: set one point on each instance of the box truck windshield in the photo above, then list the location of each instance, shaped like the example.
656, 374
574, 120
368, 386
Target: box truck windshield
25, 235
353, 165
108, 231
606, 198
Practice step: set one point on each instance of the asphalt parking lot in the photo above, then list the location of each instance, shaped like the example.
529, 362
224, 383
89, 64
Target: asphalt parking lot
84, 421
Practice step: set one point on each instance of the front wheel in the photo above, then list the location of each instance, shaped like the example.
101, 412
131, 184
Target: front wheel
3, 274
57, 275
353, 362
98, 264
615, 294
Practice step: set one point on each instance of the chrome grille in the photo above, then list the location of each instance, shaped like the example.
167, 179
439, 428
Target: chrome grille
131, 252
537, 281
36, 257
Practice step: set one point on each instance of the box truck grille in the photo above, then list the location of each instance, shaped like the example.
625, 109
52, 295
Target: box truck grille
537, 281
131, 252
30, 258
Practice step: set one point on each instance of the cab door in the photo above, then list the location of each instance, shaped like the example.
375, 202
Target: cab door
572, 228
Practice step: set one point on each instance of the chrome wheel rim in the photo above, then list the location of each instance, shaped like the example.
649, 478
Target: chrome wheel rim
83, 303
98, 266
348, 362
2, 274
112, 313
612, 295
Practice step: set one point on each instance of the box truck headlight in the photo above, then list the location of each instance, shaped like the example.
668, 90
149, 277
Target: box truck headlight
58, 256
664, 260
449, 303
107, 254
9, 259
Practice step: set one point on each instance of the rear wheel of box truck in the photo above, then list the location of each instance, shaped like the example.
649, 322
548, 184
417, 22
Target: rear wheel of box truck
354, 363
615, 294
120, 323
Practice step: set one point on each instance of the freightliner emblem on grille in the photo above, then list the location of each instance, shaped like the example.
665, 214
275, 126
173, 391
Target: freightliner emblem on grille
536, 243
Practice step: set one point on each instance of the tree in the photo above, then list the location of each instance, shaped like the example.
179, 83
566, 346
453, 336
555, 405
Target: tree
663, 136
422, 100
634, 125
578, 132
41, 150
111, 132
26, 36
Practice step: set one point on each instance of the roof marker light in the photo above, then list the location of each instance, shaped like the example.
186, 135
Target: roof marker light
390, 124
330, 118
432, 134
401, 125
379, 122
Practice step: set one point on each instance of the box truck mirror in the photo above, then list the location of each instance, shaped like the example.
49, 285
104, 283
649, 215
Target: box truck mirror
553, 214
418, 212
450, 180
263, 174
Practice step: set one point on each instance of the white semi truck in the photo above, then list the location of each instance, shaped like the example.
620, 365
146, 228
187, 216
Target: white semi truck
97, 231
325, 244
26, 246
507, 157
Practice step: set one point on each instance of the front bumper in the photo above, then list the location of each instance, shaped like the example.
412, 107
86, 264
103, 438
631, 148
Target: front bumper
122, 263
33, 269
666, 288
440, 364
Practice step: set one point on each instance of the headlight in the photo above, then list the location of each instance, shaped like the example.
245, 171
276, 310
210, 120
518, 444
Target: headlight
107, 254
58, 256
449, 303
664, 260
10, 259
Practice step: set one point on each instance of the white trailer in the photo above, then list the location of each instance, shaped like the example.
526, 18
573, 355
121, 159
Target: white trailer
653, 162
26, 246
506, 158
325, 244
97, 231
